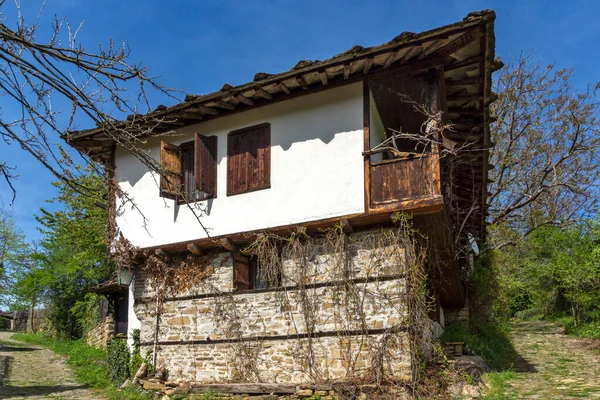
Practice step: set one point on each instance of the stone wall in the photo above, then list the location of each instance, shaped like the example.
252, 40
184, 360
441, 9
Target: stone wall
328, 323
102, 333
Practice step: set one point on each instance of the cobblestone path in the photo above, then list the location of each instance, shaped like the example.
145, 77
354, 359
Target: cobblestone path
553, 365
32, 372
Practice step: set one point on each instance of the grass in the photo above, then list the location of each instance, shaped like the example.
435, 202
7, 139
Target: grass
589, 330
497, 384
88, 364
491, 342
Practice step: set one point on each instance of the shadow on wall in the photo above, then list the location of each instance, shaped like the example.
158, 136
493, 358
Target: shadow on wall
320, 116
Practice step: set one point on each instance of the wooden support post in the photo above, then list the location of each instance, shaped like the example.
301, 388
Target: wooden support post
206, 110
160, 253
323, 76
368, 65
283, 88
227, 244
194, 249
224, 105
346, 226
301, 82
245, 100
264, 94
346, 71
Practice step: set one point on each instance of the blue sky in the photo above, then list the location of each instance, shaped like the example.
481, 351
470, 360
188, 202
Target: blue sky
196, 46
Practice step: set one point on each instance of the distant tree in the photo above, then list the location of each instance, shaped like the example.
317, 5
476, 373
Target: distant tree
556, 270
71, 257
547, 150
14, 255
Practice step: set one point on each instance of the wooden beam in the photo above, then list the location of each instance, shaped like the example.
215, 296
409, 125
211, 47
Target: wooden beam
346, 71
225, 105
465, 97
160, 253
464, 63
227, 244
461, 41
368, 65
194, 249
465, 111
463, 82
301, 82
346, 226
205, 110
186, 115
412, 53
264, 94
390, 59
283, 88
323, 76
245, 100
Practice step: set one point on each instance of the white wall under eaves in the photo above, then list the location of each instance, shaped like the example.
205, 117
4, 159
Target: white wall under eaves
316, 172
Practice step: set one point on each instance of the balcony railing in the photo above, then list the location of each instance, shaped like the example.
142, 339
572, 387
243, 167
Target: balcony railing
401, 180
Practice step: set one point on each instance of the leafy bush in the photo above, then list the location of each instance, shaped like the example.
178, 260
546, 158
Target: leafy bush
118, 361
136, 358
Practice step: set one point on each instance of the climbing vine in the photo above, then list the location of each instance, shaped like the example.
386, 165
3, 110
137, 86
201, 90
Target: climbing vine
368, 288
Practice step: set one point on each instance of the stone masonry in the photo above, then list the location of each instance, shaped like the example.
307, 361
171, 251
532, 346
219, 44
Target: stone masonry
102, 333
346, 322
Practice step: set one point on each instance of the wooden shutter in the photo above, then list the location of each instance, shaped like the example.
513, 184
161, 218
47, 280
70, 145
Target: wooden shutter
249, 159
170, 177
205, 164
241, 272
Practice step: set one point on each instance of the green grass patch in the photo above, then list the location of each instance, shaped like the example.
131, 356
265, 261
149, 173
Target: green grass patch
590, 330
497, 384
88, 363
491, 342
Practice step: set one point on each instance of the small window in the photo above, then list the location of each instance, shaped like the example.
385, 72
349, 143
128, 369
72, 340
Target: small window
189, 171
250, 275
249, 159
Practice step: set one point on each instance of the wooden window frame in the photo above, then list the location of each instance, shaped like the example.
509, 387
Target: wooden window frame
266, 185
191, 145
253, 268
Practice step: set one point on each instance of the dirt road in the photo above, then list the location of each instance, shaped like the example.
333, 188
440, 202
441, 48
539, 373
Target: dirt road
553, 365
33, 372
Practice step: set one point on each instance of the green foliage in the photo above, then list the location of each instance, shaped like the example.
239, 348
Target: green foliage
497, 383
72, 258
555, 271
87, 311
118, 361
490, 341
14, 258
136, 357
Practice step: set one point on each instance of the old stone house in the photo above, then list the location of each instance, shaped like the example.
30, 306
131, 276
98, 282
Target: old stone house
268, 223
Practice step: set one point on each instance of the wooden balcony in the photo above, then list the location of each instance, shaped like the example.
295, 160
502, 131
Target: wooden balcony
405, 184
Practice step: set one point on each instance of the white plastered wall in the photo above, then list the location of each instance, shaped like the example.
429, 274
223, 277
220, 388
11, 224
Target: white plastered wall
316, 172
133, 322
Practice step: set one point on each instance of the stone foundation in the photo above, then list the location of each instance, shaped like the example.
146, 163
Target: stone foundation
336, 325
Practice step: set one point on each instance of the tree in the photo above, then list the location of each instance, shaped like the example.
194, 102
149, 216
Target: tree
39, 72
14, 256
72, 256
547, 150
556, 270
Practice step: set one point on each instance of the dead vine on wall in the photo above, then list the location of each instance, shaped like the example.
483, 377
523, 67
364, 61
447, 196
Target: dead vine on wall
354, 300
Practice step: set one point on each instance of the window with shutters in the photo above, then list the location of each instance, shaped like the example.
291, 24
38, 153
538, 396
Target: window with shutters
249, 159
189, 171
249, 274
